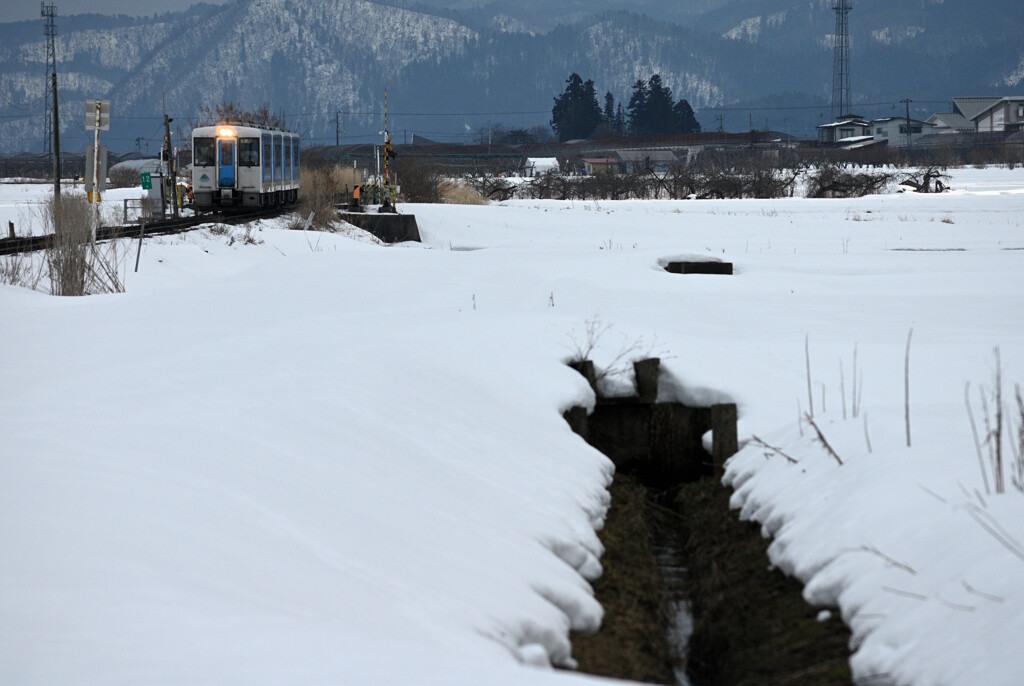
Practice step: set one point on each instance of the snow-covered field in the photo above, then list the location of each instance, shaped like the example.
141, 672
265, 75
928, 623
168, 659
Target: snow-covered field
320, 460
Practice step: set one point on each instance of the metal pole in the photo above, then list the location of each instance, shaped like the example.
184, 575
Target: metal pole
138, 254
96, 172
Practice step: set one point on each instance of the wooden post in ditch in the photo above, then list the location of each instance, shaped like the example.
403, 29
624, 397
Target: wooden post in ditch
724, 438
646, 372
587, 371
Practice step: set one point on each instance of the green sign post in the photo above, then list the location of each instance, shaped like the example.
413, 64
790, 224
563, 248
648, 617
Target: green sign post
147, 181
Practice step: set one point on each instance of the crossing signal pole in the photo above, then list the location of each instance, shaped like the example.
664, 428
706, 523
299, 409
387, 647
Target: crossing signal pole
172, 175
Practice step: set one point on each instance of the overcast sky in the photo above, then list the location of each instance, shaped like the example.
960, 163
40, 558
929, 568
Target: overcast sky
19, 10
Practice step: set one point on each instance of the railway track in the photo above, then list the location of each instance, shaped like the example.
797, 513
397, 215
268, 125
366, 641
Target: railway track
23, 244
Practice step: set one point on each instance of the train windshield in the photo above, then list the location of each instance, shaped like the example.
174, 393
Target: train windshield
248, 152
203, 151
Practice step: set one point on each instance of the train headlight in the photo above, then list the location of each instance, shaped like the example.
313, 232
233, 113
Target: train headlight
225, 132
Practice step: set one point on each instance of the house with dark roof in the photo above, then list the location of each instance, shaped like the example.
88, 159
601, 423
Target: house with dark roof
847, 126
993, 114
950, 123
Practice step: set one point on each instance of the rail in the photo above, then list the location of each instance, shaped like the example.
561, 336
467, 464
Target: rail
23, 244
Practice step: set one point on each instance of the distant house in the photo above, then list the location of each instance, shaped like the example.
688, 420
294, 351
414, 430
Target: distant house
638, 161
847, 126
950, 123
894, 130
601, 165
993, 114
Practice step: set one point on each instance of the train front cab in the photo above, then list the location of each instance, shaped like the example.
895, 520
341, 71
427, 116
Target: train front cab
250, 167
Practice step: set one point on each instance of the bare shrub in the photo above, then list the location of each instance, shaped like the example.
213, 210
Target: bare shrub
831, 180
493, 187
459, 193
422, 182
75, 264
123, 178
930, 180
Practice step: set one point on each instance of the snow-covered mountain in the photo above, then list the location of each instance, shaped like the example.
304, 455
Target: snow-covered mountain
454, 65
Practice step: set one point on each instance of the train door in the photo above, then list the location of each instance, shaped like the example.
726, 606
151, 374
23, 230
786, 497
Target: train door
288, 159
278, 158
226, 163
268, 160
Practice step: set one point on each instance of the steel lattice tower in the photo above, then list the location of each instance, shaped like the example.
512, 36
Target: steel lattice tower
841, 61
49, 13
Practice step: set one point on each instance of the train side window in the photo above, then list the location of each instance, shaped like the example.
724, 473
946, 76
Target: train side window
298, 161
248, 152
268, 158
204, 152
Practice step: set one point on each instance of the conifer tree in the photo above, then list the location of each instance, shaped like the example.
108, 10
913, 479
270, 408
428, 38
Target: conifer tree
576, 113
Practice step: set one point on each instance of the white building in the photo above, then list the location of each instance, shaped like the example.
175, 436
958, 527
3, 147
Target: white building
893, 130
540, 165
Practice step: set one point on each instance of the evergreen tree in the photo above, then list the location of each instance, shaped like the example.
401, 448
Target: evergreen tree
620, 121
609, 109
576, 113
652, 112
686, 122
637, 109
659, 118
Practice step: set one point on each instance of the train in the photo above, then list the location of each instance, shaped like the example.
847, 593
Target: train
239, 165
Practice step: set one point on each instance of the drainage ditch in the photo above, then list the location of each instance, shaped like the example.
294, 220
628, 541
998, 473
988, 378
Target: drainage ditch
688, 592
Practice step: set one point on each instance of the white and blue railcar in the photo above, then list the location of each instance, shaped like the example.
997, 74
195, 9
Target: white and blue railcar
242, 165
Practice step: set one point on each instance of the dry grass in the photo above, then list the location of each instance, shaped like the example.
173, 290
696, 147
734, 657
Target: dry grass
459, 194
20, 269
319, 191
633, 640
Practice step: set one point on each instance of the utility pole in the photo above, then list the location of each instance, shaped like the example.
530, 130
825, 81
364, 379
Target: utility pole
337, 128
170, 163
907, 101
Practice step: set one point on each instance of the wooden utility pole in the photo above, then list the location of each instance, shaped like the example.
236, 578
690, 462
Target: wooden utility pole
907, 101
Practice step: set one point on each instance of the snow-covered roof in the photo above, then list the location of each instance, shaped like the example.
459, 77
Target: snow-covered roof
846, 122
139, 166
542, 163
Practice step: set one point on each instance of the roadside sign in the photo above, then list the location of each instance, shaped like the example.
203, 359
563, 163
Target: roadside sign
90, 114
147, 181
